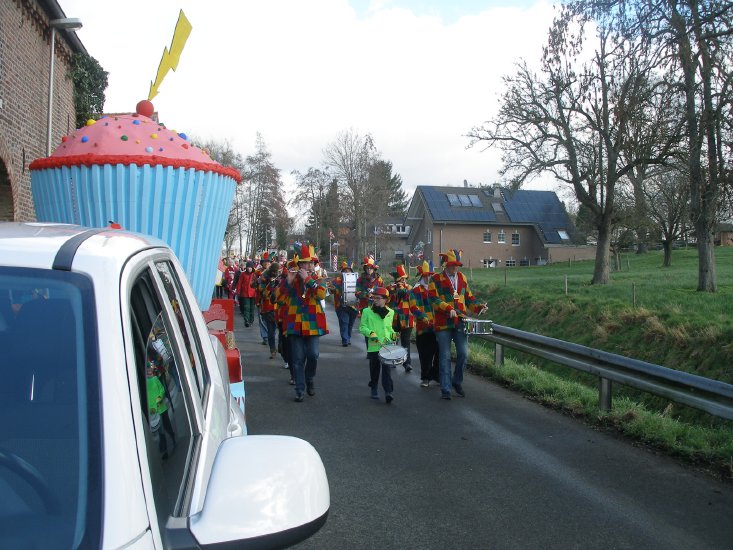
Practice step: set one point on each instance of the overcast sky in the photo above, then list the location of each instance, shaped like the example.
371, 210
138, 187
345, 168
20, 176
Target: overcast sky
415, 74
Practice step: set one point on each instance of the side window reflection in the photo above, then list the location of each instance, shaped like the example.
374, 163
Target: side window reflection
167, 418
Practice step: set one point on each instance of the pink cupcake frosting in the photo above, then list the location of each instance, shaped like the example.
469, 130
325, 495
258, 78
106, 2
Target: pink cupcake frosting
130, 139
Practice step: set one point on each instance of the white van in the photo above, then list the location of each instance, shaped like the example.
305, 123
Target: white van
118, 428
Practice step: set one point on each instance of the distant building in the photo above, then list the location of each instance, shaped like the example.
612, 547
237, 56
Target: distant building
495, 227
724, 234
25, 48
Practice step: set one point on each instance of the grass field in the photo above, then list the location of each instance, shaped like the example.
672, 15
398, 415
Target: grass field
646, 312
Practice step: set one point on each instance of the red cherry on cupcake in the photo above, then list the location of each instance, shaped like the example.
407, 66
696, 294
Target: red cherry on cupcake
145, 108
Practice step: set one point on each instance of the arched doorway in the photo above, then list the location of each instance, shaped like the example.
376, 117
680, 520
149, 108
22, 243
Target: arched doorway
6, 194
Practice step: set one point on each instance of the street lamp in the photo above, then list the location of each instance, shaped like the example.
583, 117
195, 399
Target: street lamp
69, 24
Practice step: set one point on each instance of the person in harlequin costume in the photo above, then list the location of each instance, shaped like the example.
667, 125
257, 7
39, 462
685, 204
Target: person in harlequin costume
367, 282
427, 345
346, 313
265, 262
267, 284
281, 314
399, 301
451, 299
376, 326
305, 321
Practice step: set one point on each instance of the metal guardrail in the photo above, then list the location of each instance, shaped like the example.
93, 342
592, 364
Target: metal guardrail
702, 393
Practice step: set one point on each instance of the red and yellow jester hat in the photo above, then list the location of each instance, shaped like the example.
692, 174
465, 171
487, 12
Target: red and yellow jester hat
452, 257
399, 273
425, 270
306, 253
369, 262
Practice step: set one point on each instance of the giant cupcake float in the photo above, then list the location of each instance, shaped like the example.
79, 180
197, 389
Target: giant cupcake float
133, 171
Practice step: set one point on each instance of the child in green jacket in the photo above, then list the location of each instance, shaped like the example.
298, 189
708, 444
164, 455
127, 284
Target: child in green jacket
376, 326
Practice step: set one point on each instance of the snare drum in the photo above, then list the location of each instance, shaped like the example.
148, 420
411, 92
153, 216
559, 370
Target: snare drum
476, 326
392, 355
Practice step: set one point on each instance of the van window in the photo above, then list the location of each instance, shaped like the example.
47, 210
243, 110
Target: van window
169, 427
50, 466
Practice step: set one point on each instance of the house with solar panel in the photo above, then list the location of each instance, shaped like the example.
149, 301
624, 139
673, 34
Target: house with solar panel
494, 226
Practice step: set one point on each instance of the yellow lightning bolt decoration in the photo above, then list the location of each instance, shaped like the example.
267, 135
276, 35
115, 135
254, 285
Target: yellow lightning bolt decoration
170, 58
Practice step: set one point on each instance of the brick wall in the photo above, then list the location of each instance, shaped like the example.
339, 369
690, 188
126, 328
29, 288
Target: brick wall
470, 239
24, 69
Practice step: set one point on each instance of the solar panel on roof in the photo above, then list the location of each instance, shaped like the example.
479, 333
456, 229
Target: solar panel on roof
465, 201
453, 199
475, 201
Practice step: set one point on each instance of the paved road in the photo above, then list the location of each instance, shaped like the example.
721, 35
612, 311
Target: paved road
490, 471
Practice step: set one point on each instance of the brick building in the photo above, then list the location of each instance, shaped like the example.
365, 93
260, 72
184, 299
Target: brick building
25, 47
493, 226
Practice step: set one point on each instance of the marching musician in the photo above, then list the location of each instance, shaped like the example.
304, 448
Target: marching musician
427, 345
281, 316
265, 262
367, 282
376, 326
346, 313
399, 301
267, 285
451, 298
305, 321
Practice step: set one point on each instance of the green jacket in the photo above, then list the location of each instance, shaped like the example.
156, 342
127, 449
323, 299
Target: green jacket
371, 322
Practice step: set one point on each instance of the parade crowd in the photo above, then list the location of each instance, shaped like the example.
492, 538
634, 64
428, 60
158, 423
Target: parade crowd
285, 299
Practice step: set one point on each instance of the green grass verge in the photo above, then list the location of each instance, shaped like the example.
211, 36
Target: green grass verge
708, 447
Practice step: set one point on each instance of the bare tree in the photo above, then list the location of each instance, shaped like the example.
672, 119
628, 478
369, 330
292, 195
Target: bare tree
574, 119
311, 200
668, 198
350, 157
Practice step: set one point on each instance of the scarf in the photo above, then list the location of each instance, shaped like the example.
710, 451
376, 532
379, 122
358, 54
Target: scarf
381, 311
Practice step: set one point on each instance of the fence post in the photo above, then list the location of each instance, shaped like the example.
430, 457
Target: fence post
605, 391
566, 285
498, 355
633, 293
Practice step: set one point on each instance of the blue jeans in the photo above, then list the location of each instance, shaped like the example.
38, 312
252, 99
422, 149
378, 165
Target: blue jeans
263, 325
444, 338
304, 350
271, 332
346, 317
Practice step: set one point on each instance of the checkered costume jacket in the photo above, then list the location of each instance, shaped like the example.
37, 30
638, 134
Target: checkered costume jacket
399, 301
303, 316
441, 293
422, 309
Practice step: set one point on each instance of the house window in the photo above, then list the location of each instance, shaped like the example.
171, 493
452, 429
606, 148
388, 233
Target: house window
487, 236
511, 263
515, 238
489, 262
453, 199
429, 236
563, 234
399, 254
524, 262
501, 238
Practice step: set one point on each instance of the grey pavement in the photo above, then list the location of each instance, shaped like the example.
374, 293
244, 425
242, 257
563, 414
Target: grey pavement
491, 471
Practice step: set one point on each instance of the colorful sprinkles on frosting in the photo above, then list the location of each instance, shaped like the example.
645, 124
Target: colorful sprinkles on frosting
126, 139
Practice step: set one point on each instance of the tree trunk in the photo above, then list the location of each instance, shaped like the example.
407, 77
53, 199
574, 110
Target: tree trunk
667, 244
706, 279
603, 254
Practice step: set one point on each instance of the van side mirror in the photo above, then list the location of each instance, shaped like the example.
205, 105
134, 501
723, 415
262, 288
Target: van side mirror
265, 490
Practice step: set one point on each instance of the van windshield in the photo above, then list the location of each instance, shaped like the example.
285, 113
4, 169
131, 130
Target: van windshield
50, 441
